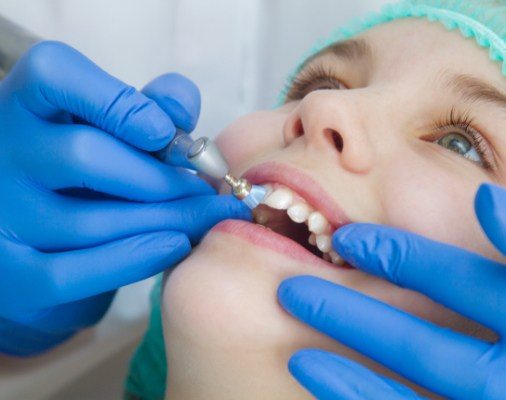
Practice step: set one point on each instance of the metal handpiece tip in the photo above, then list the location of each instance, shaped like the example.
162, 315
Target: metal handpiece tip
251, 195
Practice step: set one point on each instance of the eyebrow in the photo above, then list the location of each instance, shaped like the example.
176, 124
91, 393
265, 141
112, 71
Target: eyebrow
470, 88
350, 50
473, 89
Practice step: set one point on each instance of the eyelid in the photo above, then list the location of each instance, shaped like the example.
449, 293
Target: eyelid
467, 127
314, 71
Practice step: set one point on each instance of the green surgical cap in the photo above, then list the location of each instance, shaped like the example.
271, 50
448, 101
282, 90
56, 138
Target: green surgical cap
483, 20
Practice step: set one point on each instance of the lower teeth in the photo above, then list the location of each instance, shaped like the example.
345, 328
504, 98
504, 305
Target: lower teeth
336, 258
321, 241
312, 239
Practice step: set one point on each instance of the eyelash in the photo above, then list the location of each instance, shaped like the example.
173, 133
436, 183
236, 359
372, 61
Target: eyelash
465, 123
317, 76
312, 77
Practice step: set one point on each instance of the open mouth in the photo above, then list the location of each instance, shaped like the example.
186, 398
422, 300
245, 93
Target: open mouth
287, 213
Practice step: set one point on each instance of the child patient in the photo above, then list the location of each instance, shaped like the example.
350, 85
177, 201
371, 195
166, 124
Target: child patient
393, 123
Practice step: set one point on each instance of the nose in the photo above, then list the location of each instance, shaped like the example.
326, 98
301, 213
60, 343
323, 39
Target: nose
332, 123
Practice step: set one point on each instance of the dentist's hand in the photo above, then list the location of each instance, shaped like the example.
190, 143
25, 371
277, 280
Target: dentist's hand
446, 362
84, 207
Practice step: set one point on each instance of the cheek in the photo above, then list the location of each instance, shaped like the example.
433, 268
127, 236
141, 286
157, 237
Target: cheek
250, 136
425, 198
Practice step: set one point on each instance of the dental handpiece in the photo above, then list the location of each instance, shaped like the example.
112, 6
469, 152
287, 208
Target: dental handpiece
204, 156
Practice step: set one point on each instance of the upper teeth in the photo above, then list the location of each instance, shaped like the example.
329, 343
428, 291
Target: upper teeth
317, 223
298, 210
281, 198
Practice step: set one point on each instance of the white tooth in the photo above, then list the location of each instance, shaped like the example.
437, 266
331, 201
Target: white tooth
299, 212
323, 243
312, 239
261, 217
280, 199
317, 223
336, 258
268, 187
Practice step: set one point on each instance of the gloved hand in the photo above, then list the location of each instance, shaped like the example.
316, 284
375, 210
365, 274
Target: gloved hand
84, 207
446, 362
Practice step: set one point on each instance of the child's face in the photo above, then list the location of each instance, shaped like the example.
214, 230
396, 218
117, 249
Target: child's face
397, 160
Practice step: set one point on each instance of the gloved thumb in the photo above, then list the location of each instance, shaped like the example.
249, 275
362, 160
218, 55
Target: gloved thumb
178, 96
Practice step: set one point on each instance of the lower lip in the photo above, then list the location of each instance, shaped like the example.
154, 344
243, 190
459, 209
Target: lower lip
263, 237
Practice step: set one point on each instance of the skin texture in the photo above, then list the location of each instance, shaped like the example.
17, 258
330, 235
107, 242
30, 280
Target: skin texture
226, 336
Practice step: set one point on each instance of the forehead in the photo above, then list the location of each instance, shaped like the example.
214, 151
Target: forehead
419, 49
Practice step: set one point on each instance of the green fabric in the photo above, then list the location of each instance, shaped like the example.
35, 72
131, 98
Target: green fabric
483, 20
148, 367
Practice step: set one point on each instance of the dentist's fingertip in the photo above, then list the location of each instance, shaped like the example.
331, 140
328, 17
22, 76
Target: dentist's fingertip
343, 239
293, 290
244, 212
488, 197
186, 120
154, 128
236, 208
299, 361
284, 290
178, 96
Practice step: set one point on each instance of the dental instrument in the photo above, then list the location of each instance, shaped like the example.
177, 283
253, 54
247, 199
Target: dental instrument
204, 156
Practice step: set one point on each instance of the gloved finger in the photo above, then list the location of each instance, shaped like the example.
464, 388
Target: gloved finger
83, 156
50, 279
68, 317
70, 223
437, 358
27, 342
490, 207
331, 377
178, 96
429, 267
53, 77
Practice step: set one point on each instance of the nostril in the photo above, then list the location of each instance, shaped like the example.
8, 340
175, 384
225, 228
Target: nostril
298, 128
336, 138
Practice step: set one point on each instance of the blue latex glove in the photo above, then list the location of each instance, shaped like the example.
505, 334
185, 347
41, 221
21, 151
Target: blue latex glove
84, 207
446, 362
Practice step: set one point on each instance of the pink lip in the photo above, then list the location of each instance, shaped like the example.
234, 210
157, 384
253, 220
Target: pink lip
302, 184
260, 236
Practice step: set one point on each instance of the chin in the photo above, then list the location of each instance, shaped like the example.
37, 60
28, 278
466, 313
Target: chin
226, 335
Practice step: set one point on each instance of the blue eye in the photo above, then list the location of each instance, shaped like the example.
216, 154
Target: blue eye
460, 144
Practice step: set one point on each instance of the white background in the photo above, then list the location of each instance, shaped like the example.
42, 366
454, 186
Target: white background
237, 51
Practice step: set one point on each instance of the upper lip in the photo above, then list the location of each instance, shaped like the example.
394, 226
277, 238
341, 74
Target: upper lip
301, 183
